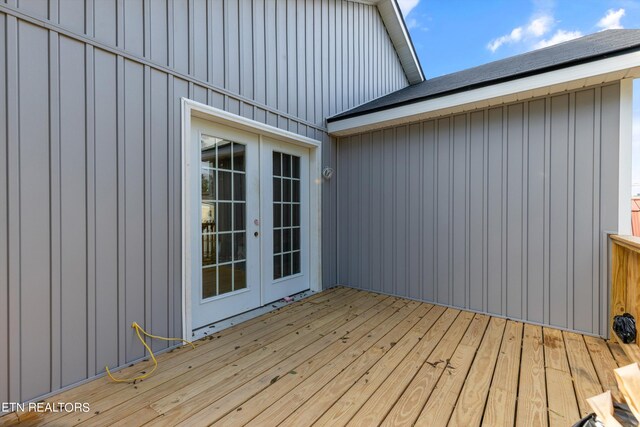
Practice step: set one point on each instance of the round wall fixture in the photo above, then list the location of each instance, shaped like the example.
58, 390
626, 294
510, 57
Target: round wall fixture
327, 173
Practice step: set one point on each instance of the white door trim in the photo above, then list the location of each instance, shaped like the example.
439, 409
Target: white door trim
192, 108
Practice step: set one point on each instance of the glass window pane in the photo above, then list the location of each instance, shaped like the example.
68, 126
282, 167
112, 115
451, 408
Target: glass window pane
277, 266
225, 279
295, 196
277, 212
239, 275
277, 193
296, 263
224, 217
286, 215
286, 240
286, 264
238, 157
295, 167
286, 165
239, 217
208, 184
208, 249
239, 246
238, 186
224, 254
277, 241
224, 185
286, 190
209, 282
224, 156
295, 217
277, 169
296, 239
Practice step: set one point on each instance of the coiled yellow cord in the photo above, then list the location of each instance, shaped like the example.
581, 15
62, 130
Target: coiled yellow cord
139, 329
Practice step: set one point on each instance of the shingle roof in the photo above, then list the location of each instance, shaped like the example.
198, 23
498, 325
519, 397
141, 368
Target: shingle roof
585, 49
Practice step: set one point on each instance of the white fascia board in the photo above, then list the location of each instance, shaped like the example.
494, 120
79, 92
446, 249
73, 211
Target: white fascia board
556, 81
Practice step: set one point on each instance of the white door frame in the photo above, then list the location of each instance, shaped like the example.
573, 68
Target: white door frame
192, 108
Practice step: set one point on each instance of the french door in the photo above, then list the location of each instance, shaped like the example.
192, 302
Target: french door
251, 220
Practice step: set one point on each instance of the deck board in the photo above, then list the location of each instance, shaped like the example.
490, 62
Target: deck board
351, 357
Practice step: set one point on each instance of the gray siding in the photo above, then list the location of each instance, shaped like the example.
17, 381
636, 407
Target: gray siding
90, 167
500, 210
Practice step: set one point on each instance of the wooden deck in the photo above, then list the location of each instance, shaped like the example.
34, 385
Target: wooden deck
358, 358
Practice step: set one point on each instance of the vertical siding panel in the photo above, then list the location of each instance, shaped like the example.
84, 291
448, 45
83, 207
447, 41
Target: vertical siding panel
377, 205
535, 212
180, 16
355, 185
476, 201
134, 198
324, 41
106, 207
72, 15
200, 40
558, 245
388, 210
246, 49
459, 213
514, 203
37, 8
281, 54
443, 235
158, 32
609, 169
597, 284
271, 59
54, 209
289, 29
343, 211
583, 210
34, 150
401, 205
134, 27
429, 207
4, 219
494, 217
73, 204
570, 208
414, 205
217, 48
301, 74
364, 221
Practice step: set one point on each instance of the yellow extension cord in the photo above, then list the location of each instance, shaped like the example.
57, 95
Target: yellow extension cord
139, 329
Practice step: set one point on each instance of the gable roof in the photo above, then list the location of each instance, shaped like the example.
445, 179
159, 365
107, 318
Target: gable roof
579, 51
400, 38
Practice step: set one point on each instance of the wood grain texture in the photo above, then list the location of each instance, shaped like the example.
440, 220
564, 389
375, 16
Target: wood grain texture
350, 357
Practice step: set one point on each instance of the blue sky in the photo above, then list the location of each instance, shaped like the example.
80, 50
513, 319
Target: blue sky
451, 35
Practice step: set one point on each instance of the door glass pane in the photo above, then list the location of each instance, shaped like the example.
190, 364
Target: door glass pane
223, 216
286, 215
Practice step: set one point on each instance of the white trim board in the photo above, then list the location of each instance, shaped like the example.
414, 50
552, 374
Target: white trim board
191, 109
570, 78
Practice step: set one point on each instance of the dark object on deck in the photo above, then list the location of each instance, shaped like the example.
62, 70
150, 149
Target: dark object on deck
621, 413
625, 327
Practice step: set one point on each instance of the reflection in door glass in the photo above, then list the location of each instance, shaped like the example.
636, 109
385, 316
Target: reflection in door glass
222, 172
286, 215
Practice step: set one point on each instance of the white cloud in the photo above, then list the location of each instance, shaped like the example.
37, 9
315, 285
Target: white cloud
407, 6
559, 37
540, 26
611, 20
514, 36
414, 24
536, 27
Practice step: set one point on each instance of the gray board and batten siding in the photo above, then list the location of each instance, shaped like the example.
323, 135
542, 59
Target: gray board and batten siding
90, 181
500, 210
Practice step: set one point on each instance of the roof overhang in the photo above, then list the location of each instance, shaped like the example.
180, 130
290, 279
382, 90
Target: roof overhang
399, 35
546, 83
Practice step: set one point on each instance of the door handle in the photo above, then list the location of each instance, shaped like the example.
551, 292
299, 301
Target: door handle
255, 234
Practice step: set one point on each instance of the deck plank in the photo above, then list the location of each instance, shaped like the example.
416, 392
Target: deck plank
210, 368
410, 404
302, 410
380, 403
247, 401
442, 401
604, 363
563, 406
352, 357
532, 394
501, 403
471, 403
